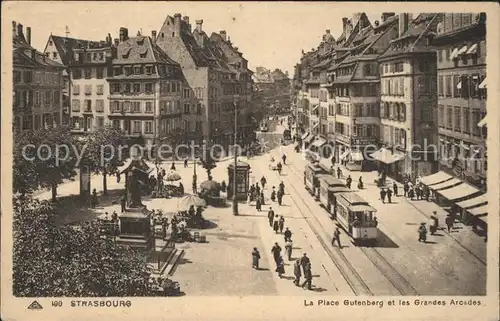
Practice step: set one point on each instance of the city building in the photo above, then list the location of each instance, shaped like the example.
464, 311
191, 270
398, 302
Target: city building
213, 79
38, 85
275, 87
408, 100
461, 72
148, 93
357, 84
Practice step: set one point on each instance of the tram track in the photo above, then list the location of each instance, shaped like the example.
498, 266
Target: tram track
380, 263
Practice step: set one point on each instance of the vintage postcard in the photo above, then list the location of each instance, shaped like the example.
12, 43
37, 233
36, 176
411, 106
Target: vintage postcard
249, 161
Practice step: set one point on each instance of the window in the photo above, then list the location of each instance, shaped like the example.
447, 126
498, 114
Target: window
114, 88
75, 105
99, 105
466, 117
149, 70
37, 99
88, 73
137, 70
126, 106
465, 90
448, 86
186, 108
198, 109
449, 117
186, 93
137, 126
46, 100
115, 107
100, 89
441, 118
476, 118
178, 88
128, 88
88, 105
100, 73
76, 89
56, 99
88, 89
448, 53
137, 88
117, 71
127, 70
116, 123
99, 121
148, 128
136, 107
456, 89
457, 119
149, 107
474, 84
77, 73
149, 88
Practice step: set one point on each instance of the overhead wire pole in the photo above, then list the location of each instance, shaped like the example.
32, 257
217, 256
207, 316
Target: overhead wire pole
235, 199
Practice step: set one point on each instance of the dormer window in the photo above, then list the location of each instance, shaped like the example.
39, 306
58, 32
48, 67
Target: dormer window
137, 70
101, 56
126, 53
128, 70
117, 71
144, 53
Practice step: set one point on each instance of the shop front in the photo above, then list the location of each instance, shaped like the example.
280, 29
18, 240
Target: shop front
470, 205
390, 163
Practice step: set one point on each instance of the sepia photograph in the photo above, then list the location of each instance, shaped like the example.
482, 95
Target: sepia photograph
320, 153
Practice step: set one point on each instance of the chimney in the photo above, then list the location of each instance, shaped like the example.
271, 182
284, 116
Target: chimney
404, 20
153, 36
19, 29
110, 40
344, 23
223, 34
186, 20
123, 34
327, 31
199, 25
348, 28
28, 35
386, 15
177, 24
14, 28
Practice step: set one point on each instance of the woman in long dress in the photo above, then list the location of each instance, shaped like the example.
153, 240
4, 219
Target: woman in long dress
255, 258
280, 267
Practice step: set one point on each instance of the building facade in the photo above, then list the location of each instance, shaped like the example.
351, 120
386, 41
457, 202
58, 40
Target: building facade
38, 85
461, 62
408, 101
148, 95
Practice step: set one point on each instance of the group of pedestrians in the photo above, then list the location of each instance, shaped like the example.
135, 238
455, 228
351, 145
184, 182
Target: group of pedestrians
278, 195
418, 191
257, 193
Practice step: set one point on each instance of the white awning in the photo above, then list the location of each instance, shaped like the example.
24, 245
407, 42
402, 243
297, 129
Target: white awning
319, 142
435, 178
446, 184
454, 53
344, 154
481, 210
479, 200
462, 51
472, 50
459, 191
482, 85
357, 156
483, 122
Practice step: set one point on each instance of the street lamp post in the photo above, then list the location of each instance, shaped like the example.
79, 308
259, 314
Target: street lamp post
235, 199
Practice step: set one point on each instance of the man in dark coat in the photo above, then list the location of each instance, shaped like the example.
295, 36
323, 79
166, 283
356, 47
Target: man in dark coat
382, 195
307, 276
288, 235
276, 224
255, 258
348, 181
276, 251
339, 173
304, 260
280, 198
336, 237
297, 272
406, 188
282, 188
389, 194
263, 182
270, 216
395, 188
258, 204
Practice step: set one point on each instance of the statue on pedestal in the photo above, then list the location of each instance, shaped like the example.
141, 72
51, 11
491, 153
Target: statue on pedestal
133, 191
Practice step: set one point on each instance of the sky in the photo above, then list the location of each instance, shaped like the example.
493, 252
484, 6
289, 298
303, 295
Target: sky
269, 34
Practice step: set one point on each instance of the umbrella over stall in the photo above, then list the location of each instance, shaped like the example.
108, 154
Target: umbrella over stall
191, 200
172, 176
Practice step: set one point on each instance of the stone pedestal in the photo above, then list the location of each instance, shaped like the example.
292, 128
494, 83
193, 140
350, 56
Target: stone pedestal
135, 229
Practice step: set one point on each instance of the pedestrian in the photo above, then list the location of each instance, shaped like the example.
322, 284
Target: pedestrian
94, 201
255, 258
307, 276
348, 181
257, 189
276, 251
427, 193
223, 186
273, 195
281, 224
280, 198
258, 204
262, 198
279, 166
263, 181
418, 191
288, 249
375, 222
284, 159
123, 202
360, 183
297, 272
280, 267
282, 188
411, 193
304, 260
173, 166
406, 188
339, 173
389, 195
118, 176
336, 237
395, 188
276, 224
185, 163
422, 233
449, 222
270, 216
288, 235
382, 195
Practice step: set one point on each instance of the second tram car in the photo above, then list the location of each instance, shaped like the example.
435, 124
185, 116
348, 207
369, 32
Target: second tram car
356, 217
329, 186
311, 173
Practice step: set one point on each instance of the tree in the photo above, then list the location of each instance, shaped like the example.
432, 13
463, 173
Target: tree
102, 152
48, 155
208, 164
54, 261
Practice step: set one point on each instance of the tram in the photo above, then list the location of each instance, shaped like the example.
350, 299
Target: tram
329, 186
311, 173
356, 217
264, 126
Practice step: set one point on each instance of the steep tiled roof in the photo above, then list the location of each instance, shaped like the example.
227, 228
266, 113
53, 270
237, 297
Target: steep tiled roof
23, 55
140, 49
65, 45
